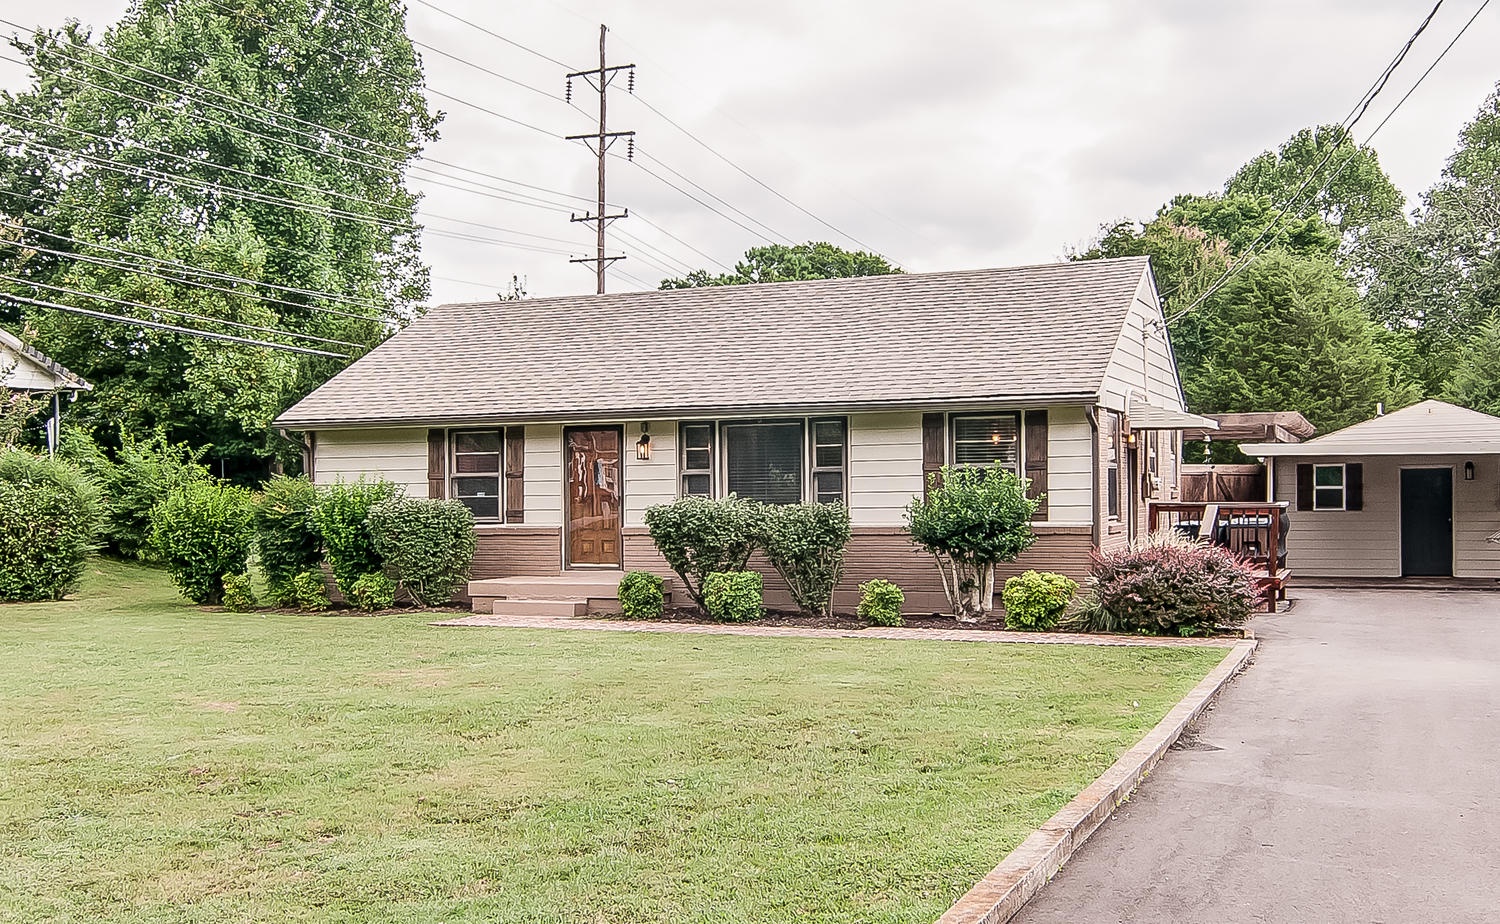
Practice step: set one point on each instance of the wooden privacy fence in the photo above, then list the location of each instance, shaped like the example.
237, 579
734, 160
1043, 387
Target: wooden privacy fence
1214, 483
1256, 532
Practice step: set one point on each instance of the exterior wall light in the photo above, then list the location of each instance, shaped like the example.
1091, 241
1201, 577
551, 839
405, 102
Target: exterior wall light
643, 445
1468, 471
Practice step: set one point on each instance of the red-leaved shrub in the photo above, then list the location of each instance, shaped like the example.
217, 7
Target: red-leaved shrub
1168, 585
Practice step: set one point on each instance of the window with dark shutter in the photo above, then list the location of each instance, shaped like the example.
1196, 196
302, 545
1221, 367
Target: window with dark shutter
477, 470
985, 440
763, 461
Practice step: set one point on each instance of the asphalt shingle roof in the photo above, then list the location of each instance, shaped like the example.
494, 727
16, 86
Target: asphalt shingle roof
1034, 332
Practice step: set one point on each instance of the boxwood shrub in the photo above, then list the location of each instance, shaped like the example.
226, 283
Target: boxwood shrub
202, 531
699, 536
880, 602
805, 544
641, 595
427, 544
50, 515
342, 519
733, 596
373, 591
1036, 600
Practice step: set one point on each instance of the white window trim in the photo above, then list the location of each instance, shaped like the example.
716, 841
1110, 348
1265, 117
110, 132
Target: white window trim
1343, 486
718, 470
450, 488
950, 439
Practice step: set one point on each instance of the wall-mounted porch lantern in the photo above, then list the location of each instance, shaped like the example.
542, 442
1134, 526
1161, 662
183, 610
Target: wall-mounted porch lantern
1468, 471
643, 445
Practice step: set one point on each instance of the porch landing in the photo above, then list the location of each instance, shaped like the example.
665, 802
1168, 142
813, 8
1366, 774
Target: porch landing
576, 593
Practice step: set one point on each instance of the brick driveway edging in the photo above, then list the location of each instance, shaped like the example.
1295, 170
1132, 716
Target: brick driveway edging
891, 634
1001, 894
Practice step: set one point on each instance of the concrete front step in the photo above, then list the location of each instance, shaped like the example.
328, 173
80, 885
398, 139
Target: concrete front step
519, 606
594, 590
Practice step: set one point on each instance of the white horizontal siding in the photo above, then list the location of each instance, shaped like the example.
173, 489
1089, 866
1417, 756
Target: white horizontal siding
394, 455
1367, 543
1070, 469
885, 467
544, 475
1142, 365
651, 481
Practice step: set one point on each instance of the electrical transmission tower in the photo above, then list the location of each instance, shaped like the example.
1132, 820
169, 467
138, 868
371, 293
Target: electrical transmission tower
600, 142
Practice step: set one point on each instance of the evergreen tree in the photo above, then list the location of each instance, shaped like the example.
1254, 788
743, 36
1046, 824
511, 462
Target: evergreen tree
1476, 374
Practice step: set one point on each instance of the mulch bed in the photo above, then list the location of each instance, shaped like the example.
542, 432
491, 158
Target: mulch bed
789, 619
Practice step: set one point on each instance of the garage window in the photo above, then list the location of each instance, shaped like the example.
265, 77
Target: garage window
1328, 487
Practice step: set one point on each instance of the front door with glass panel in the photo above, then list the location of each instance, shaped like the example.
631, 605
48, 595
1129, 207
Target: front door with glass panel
594, 494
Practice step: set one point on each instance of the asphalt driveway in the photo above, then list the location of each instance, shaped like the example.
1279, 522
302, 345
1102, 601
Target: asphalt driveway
1352, 774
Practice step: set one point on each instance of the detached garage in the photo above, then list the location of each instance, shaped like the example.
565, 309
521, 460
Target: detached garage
1414, 493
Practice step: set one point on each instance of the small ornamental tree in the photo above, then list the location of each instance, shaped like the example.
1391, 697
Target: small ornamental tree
805, 544
971, 520
699, 536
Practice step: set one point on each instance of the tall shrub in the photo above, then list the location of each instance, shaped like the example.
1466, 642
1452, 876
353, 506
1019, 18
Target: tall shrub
971, 520
428, 543
699, 536
143, 473
288, 541
805, 544
203, 532
1166, 584
342, 519
50, 514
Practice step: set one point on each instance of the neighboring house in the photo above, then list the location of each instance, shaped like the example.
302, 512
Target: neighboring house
560, 421
28, 371
1413, 493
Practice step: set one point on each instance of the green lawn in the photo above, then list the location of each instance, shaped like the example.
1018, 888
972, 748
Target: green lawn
162, 763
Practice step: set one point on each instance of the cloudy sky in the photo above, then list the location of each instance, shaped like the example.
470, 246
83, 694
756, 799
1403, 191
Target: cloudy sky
945, 135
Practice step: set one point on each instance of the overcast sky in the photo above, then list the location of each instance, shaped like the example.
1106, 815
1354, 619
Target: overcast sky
945, 135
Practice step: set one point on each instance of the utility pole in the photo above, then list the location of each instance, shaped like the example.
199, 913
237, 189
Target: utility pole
599, 142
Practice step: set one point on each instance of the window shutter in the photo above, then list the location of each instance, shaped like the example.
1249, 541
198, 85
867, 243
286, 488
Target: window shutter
437, 464
933, 451
515, 474
1304, 487
1036, 458
1354, 486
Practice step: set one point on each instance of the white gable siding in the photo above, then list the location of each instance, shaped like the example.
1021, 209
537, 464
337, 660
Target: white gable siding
885, 467
1367, 542
1142, 367
544, 475
395, 455
651, 481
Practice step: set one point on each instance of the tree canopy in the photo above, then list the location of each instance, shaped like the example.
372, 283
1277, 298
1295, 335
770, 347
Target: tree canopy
788, 263
245, 165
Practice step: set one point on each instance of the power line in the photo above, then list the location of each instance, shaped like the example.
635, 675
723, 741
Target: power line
684, 243
509, 41
1358, 112
670, 185
769, 230
157, 325
182, 314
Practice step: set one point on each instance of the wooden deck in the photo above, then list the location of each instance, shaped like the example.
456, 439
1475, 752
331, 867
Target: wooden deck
1256, 532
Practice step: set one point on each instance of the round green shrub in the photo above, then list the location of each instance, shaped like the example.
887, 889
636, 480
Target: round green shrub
202, 532
309, 591
341, 517
733, 596
880, 602
1036, 600
238, 595
700, 535
641, 595
805, 544
50, 514
289, 544
373, 591
429, 544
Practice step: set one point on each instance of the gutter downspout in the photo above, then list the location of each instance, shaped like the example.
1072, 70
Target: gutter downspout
1091, 413
302, 444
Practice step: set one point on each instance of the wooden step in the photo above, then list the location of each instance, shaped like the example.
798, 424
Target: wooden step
520, 606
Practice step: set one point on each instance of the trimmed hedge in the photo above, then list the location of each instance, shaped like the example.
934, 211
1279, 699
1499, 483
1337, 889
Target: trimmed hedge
805, 544
880, 602
699, 536
342, 519
1036, 600
733, 596
288, 541
202, 532
428, 544
641, 595
50, 515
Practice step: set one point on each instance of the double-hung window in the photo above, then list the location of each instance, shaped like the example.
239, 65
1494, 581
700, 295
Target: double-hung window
477, 473
830, 454
697, 459
985, 440
1114, 451
1328, 487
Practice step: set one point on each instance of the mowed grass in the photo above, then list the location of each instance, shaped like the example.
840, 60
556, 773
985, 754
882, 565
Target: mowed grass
163, 763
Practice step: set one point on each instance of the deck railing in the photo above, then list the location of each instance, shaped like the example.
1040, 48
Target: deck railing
1255, 532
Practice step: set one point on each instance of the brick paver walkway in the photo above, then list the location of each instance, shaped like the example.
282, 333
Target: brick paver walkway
892, 634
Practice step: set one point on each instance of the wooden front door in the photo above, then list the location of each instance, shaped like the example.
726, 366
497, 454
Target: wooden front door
594, 494
1427, 522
